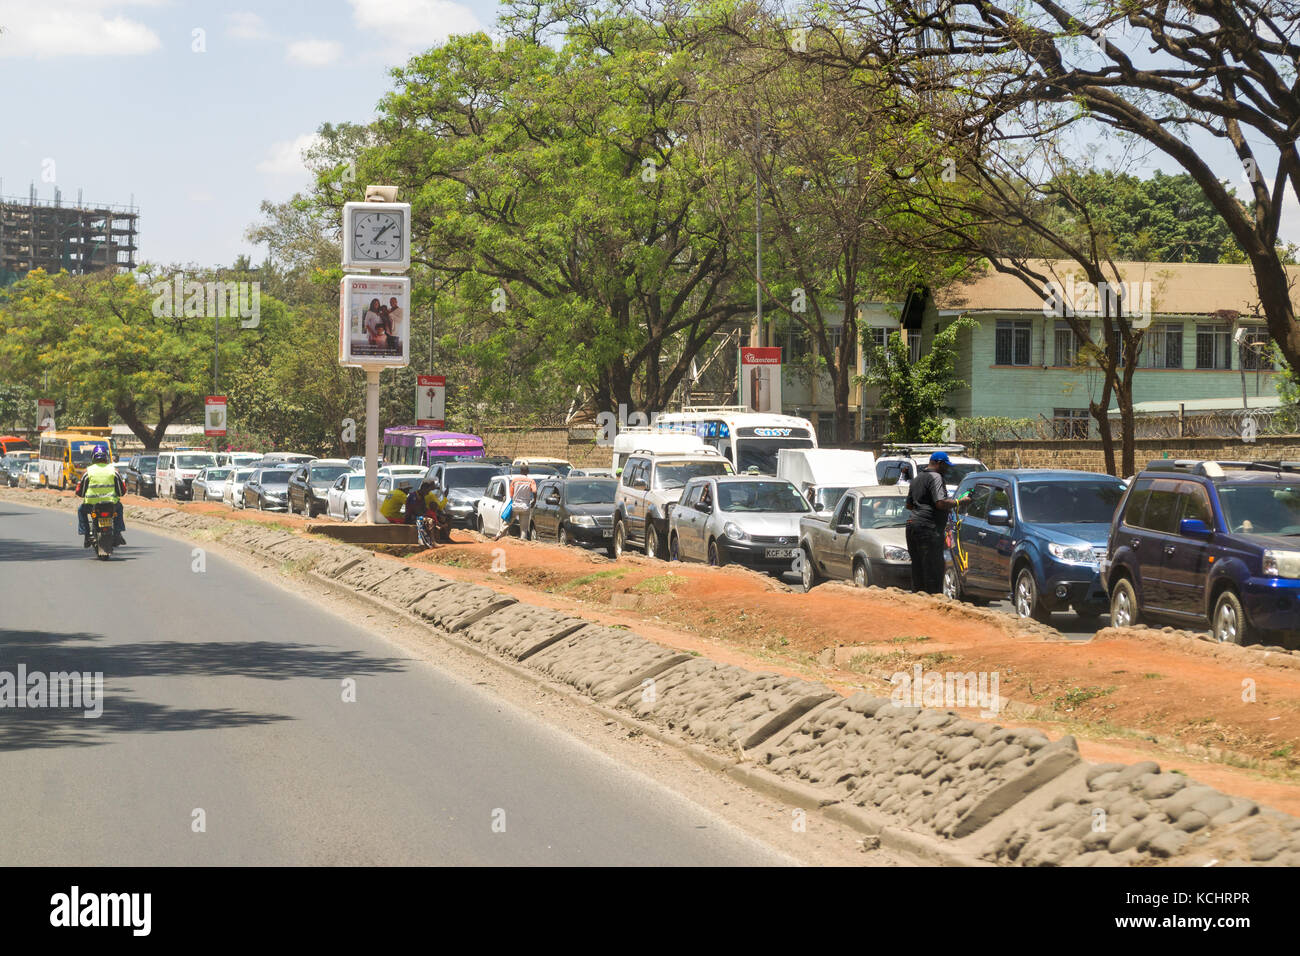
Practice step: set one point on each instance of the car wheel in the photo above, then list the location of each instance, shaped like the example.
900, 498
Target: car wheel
652, 541
562, 536
861, 574
716, 557
1230, 624
673, 553
1026, 598
808, 576
1124, 611
620, 540
259, 503
479, 524
951, 584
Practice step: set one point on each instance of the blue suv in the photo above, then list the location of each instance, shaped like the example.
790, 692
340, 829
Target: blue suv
1036, 534
1203, 544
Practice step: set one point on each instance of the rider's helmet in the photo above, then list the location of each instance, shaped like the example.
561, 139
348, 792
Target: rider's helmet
99, 454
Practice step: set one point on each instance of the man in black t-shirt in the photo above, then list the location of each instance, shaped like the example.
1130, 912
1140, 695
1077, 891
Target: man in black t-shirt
929, 504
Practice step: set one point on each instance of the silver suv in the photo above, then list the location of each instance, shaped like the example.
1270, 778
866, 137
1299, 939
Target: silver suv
649, 484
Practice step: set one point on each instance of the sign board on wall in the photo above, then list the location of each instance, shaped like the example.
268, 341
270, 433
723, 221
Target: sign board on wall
214, 416
431, 401
45, 414
374, 321
760, 378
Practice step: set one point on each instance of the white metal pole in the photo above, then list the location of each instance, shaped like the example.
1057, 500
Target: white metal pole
372, 445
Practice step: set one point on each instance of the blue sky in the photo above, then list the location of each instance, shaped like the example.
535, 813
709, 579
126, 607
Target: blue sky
109, 96
113, 98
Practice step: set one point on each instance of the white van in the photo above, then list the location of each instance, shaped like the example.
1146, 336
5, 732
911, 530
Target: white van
822, 475
176, 471
655, 441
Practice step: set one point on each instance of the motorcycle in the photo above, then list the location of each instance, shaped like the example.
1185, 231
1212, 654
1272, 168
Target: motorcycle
102, 535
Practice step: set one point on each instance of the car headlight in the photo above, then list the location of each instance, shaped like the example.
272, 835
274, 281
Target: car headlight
897, 555
1070, 554
582, 521
1282, 564
734, 531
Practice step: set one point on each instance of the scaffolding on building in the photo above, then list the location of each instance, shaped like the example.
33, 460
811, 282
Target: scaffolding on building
47, 234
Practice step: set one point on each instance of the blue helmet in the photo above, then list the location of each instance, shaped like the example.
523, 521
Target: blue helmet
99, 454
941, 457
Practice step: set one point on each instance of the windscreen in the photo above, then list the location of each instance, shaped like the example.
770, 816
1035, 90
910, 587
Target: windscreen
760, 453
959, 470
828, 497
1261, 508
82, 450
776, 497
327, 473
217, 474
276, 477
356, 482
195, 461
882, 511
676, 474
1070, 502
579, 492
475, 478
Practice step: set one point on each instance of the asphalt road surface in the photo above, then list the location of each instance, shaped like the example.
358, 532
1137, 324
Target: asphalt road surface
223, 703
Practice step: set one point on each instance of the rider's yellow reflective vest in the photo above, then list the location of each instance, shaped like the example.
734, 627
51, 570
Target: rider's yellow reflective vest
101, 483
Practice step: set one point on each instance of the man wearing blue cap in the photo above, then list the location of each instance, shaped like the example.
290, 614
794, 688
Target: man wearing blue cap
928, 501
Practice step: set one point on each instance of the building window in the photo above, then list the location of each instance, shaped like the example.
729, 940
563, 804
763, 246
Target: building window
1213, 347
1067, 344
876, 336
826, 428
1163, 347
875, 426
1070, 422
1256, 349
914, 345
797, 345
1011, 343
834, 336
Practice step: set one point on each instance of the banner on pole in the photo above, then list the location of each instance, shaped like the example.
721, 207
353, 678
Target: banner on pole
431, 401
45, 414
214, 416
760, 378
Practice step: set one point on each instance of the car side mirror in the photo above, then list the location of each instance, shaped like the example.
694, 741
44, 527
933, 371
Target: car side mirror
999, 517
553, 499
818, 506
1194, 528
844, 526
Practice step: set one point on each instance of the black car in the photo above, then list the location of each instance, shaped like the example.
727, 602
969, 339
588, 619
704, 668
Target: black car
463, 483
267, 489
140, 476
11, 469
574, 511
309, 486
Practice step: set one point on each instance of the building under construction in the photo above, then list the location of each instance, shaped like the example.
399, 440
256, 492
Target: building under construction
46, 234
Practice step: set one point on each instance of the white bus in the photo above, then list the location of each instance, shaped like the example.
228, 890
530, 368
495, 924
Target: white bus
750, 439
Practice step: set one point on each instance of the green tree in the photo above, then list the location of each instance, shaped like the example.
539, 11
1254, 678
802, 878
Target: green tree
916, 393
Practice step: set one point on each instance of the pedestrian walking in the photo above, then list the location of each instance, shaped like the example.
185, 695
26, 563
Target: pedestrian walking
929, 504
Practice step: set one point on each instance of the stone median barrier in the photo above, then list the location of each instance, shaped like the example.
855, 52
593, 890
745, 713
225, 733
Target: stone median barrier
963, 790
723, 705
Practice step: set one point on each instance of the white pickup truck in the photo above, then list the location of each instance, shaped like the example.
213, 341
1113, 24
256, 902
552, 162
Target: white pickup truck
861, 539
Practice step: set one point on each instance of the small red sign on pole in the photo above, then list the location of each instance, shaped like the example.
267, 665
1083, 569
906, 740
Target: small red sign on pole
214, 416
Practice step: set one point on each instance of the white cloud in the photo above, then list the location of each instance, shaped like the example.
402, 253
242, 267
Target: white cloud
414, 22
285, 157
244, 25
54, 28
314, 52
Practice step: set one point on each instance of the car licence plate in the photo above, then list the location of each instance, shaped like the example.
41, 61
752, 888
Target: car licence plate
778, 552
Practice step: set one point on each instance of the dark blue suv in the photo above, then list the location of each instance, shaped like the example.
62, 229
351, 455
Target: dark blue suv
1036, 534
1199, 543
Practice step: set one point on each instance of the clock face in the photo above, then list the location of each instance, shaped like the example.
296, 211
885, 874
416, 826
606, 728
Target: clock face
377, 236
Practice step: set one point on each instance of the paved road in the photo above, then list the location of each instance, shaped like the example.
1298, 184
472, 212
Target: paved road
224, 693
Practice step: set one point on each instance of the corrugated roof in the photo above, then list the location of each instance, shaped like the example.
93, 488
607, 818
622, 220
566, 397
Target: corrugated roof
1177, 288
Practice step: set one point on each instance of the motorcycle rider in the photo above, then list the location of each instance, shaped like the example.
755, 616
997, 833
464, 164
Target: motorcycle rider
100, 483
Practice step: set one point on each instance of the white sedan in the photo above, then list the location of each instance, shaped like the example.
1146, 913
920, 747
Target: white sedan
346, 498
233, 494
501, 490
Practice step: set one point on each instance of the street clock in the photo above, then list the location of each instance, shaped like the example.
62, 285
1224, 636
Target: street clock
377, 235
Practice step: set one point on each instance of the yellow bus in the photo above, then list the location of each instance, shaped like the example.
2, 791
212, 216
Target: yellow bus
65, 454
